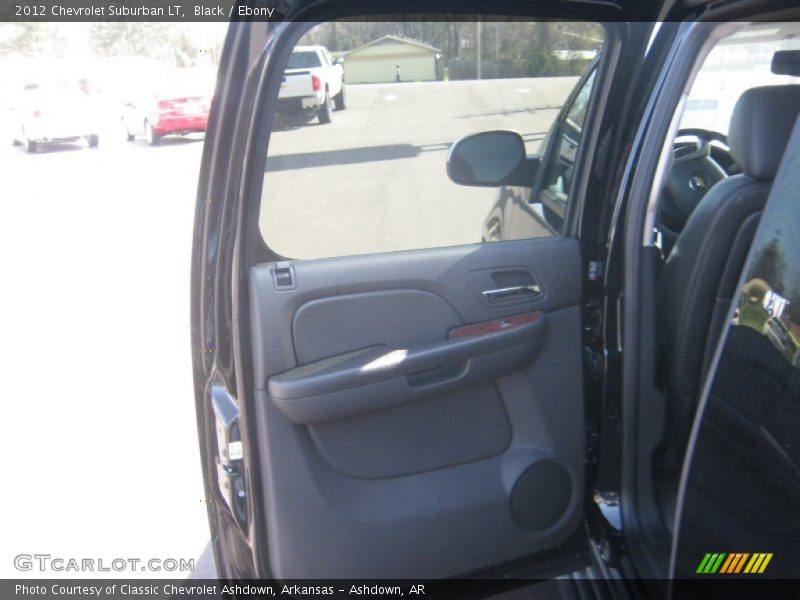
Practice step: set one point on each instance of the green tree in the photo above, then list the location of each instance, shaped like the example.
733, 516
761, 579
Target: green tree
21, 38
154, 40
510, 48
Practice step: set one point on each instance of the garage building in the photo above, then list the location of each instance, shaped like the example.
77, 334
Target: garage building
378, 61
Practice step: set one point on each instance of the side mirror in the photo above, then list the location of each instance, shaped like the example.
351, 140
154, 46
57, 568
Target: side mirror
491, 159
338, 60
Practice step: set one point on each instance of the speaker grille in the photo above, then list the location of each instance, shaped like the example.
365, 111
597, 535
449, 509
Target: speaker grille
541, 495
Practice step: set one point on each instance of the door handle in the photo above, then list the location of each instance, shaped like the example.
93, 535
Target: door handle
532, 289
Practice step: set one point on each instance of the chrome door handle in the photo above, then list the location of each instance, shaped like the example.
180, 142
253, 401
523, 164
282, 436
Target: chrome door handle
533, 289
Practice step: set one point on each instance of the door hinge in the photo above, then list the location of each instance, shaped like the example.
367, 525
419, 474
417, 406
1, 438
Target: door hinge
230, 455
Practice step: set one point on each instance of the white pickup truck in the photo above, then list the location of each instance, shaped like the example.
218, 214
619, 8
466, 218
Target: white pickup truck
312, 83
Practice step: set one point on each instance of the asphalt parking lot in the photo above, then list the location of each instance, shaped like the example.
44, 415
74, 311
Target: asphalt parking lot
374, 179
95, 246
99, 420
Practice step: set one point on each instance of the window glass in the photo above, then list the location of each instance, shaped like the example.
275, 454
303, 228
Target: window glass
577, 113
560, 168
303, 60
357, 156
733, 66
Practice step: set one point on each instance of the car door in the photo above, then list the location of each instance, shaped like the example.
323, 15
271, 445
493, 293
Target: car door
395, 413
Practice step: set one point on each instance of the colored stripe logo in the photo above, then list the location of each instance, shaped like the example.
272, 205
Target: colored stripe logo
734, 563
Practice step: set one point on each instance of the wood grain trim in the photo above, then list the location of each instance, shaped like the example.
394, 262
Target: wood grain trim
487, 327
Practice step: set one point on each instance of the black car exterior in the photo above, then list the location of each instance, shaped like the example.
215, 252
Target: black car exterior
610, 542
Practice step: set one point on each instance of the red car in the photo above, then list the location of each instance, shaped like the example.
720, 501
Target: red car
178, 106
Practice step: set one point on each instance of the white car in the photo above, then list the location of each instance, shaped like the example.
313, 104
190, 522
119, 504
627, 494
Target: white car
54, 111
312, 83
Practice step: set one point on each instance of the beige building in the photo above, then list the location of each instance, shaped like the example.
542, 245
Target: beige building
387, 58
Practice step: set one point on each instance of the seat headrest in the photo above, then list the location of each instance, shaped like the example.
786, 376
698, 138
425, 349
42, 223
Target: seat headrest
761, 124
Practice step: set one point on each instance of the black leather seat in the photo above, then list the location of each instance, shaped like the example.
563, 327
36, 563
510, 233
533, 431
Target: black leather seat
699, 277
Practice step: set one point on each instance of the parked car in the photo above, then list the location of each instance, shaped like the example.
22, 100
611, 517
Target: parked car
52, 111
312, 83
566, 397
178, 105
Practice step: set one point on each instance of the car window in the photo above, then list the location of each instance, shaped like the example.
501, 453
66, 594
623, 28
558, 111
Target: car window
560, 166
357, 154
303, 60
577, 113
731, 68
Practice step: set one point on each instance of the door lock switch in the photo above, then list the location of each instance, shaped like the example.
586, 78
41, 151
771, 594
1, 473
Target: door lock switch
283, 276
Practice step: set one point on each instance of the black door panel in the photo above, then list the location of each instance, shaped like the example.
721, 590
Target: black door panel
445, 272
409, 426
381, 376
415, 438
385, 312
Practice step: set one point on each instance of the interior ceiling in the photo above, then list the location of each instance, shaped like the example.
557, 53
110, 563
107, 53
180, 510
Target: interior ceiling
765, 32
